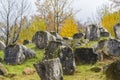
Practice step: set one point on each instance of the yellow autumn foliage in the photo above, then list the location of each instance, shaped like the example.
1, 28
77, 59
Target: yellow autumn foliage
27, 33
69, 28
110, 20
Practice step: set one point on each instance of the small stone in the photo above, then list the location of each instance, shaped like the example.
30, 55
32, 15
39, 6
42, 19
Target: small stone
28, 71
95, 69
3, 70
78, 35
25, 42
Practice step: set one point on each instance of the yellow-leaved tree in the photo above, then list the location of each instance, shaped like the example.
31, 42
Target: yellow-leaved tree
69, 28
37, 24
110, 20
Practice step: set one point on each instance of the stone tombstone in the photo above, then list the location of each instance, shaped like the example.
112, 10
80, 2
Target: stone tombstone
117, 30
28, 71
42, 38
28, 52
92, 32
78, 35
112, 71
103, 32
85, 56
67, 60
110, 47
13, 54
53, 50
49, 69
58, 37
2, 45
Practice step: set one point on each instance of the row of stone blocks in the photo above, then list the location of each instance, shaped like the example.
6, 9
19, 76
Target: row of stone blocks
59, 60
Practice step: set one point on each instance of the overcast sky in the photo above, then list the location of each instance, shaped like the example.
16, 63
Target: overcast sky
88, 8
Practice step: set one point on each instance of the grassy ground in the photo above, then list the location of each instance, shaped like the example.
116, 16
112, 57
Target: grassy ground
83, 72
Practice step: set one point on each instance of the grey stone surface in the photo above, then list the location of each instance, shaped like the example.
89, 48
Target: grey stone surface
117, 30
78, 35
16, 54
53, 50
42, 38
103, 32
25, 42
49, 69
92, 32
28, 52
13, 54
68, 61
85, 56
112, 71
58, 37
110, 47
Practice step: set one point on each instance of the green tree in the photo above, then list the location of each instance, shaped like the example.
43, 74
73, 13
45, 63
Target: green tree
27, 33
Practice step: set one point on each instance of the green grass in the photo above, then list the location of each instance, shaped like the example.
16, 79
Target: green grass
82, 71
90, 44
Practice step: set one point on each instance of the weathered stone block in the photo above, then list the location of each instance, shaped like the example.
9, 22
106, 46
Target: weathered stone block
13, 54
85, 56
49, 69
42, 38
68, 61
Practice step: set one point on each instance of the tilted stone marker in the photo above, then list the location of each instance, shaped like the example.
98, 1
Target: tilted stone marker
53, 50
85, 56
2, 45
92, 32
68, 61
49, 69
42, 38
117, 30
